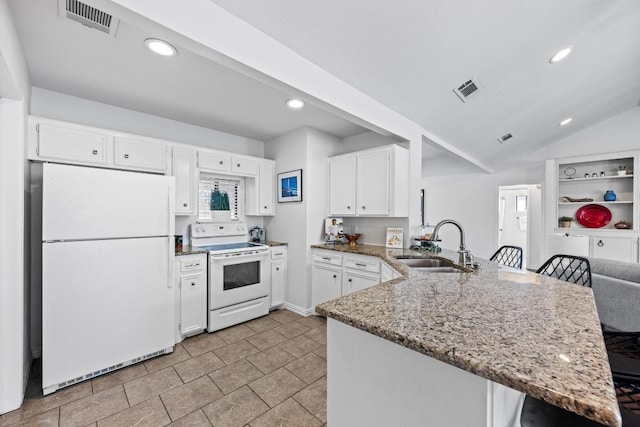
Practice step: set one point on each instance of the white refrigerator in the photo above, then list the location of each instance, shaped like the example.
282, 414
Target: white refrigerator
107, 271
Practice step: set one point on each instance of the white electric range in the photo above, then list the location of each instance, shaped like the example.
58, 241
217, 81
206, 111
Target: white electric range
238, 280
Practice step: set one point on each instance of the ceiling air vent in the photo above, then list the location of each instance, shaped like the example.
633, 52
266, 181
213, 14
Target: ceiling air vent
466, 89
504, 138
89, 16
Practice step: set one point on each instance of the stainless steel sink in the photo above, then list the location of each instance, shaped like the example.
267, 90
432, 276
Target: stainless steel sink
425, 262
431, 265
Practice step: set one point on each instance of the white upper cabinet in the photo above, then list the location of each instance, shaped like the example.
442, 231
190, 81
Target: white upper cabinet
370, 183
259, 191
61, 142
214, 161
184, 170
140, 154
373, 182
245, 166
342, 185
77, 144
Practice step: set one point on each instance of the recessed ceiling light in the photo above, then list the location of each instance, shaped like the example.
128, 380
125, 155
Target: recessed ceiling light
160, 47
560, 55
294, 103
566, 121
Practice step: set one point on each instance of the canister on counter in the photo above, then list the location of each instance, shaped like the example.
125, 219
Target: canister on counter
178, 243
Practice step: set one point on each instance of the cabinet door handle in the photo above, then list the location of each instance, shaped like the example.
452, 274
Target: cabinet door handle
193, 283
350, 280
265, 207
361, 265
327, 258
94, 152
277, 268
600, 243
221, 162
184, 204
126, 156
335, 277
238, 165
348, 207
363, 208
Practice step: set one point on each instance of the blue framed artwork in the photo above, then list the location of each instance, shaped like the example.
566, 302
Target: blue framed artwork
290, 186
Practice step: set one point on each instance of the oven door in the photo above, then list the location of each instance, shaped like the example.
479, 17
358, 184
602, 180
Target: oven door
237, 279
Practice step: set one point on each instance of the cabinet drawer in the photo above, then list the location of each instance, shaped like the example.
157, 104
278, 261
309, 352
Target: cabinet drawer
187, 265
132, 153
370, 265
278, 252
327, 258
218, 162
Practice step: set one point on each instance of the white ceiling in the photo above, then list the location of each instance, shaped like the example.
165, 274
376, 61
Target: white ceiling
68, 57
410, 54
407, 54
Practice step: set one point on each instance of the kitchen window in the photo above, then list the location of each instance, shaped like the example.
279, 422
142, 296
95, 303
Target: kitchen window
210, 183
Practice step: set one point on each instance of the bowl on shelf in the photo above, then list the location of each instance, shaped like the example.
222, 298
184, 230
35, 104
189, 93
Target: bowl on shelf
622, 225
352, 238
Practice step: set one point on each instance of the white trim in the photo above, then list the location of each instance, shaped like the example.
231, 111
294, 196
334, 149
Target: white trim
306, 312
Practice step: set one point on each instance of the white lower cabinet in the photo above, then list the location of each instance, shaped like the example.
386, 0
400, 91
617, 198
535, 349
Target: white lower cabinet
278, 275
326, 283
192, 287
353, 281
334, 275
614, 248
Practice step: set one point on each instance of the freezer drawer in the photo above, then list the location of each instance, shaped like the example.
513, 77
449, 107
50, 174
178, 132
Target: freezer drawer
104, 303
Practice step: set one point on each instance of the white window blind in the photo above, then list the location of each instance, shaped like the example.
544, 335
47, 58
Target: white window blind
209, 184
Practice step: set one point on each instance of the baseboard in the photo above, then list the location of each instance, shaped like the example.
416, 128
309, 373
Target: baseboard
306, 312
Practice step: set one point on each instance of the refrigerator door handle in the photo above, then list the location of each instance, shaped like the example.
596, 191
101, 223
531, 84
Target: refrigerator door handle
170, 263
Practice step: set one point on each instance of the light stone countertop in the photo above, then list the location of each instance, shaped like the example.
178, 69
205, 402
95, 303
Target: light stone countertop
533, 333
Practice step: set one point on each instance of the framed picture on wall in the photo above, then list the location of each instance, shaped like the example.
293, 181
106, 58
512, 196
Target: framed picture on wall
290, 186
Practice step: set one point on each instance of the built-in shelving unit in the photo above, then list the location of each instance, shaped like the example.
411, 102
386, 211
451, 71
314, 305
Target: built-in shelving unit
590, 177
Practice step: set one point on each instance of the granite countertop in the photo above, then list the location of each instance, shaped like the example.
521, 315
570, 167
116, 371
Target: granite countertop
274, 243
533, 333
189, 250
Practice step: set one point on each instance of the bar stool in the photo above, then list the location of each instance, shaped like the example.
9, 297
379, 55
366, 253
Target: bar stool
628, 394
569, 268
535, 412
510, 256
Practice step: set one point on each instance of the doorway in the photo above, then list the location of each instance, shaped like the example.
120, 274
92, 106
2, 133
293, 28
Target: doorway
520, 220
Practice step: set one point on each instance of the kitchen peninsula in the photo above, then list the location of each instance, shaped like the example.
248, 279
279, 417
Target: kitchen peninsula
488, 335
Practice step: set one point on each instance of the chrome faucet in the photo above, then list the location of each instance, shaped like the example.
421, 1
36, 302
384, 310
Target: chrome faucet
465, 258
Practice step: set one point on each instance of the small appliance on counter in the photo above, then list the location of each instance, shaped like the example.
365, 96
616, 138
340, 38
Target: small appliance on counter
258, 235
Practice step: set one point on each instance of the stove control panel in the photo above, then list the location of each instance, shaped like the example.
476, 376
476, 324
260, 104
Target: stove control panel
218, 229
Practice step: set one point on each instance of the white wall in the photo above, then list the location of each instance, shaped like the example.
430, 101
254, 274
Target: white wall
15, 356
472, 198
56, 105
301, 224
290, 221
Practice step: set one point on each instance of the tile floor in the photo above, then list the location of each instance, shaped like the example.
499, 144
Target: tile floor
269, 371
